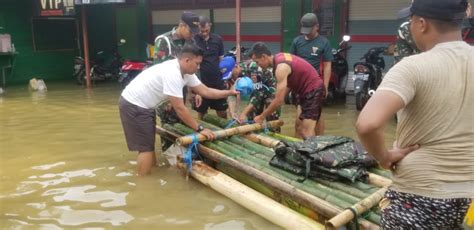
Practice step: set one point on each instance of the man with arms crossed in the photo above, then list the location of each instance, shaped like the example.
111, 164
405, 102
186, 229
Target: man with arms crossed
295, 74
210, 73
432, 93
154, 86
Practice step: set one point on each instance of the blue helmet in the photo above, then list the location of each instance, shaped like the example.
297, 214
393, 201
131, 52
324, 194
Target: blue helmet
226, 66
244, 85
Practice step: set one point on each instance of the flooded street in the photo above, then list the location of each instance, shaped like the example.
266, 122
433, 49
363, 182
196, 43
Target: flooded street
64, 164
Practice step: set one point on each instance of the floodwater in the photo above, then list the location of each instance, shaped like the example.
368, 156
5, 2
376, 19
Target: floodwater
64, 164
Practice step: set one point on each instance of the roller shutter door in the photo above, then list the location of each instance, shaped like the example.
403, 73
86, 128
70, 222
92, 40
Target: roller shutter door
257, 24
164, 20
372, 23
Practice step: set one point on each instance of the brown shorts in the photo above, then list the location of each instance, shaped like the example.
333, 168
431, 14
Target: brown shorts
311, 104
138, 125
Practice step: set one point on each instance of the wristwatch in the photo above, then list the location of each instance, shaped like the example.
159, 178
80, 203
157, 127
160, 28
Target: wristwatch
199, 128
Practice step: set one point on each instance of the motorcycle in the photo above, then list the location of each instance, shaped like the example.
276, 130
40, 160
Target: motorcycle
368, 75
233, 53
130, 69
105, 66
340, 70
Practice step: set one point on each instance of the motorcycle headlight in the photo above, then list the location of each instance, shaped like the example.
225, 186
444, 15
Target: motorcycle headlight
361, 69
334, 51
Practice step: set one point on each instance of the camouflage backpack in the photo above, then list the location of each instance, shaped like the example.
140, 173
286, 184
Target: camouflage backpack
330, 157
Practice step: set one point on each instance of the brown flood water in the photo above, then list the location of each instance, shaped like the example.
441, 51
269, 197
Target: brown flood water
64, 164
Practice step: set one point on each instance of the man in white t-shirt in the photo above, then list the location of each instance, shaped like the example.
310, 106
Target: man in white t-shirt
158, 84
432, 93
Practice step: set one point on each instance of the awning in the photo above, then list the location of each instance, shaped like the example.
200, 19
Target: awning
88, 2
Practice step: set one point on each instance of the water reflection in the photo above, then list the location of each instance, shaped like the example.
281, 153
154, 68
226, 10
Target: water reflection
64, 164
67, 216
233, 224
81, 194
48, 166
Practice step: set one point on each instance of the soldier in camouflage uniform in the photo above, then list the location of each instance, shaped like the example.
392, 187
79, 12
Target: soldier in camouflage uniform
263, 94
167, 46
405, 45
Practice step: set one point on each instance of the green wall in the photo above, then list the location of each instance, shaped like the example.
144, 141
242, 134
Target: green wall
293, 10
15, 19
50, 65
132, 25
291, 14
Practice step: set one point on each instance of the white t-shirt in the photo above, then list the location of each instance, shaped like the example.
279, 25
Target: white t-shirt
437, 87
153, 86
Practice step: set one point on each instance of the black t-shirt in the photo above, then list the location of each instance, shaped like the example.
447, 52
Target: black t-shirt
210, 73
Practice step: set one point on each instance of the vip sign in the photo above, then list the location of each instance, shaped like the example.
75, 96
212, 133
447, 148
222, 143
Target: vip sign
56, 7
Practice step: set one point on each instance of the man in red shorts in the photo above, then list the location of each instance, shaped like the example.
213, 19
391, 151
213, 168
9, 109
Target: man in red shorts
295, 74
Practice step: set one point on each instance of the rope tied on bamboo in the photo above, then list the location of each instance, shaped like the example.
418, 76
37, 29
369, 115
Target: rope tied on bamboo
356, 217
235, 121
230, 123
192, 149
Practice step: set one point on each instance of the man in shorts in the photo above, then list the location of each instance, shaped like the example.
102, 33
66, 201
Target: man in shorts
295, 74
317, 50
167, 47
209, 72
156, 85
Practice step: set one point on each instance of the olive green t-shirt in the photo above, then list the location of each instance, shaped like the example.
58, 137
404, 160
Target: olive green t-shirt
314, 51
437, 87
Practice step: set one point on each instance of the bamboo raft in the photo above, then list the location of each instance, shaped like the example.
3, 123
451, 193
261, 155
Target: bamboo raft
245, 157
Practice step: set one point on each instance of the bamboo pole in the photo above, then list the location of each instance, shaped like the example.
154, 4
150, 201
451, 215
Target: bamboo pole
340, 198
381, 172
215, 120
186, 140
347, 215
343, 187
251, 199
379, 180
282, 137
321, 206
263, 140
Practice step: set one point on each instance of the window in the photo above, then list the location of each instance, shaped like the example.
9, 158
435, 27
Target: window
54, 34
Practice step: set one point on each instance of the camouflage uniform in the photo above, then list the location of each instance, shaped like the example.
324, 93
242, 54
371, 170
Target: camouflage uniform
405, 45
167, 48
263, 94
331, 157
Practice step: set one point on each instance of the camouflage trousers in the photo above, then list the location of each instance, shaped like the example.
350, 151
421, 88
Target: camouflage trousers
410, 211
167, 115
260, 101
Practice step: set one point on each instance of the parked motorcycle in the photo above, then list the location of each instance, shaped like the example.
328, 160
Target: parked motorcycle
130, 69
368, 75
233, 53
105, 66
339, 72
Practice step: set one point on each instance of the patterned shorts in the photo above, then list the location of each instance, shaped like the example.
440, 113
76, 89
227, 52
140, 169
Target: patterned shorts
311, 104
409, 211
